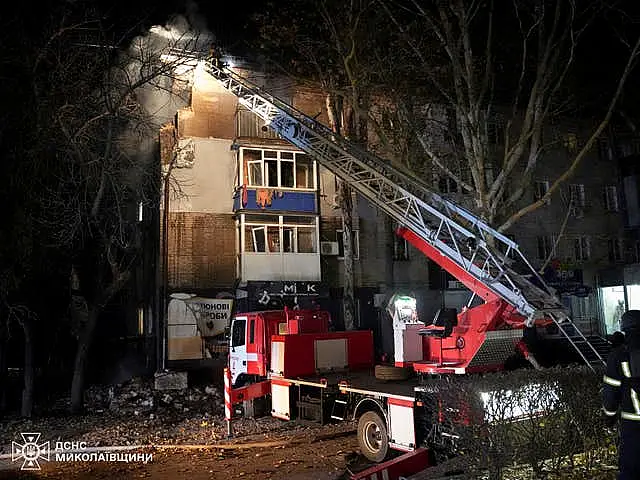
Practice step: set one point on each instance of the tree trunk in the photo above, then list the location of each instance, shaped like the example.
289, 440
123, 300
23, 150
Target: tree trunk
82, 355
29, 380
348, 301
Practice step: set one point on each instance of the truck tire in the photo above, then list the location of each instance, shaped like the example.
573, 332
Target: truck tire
389, 372
373, 437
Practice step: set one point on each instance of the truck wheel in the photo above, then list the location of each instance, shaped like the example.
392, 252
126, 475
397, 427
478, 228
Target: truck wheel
372, 436
389, 372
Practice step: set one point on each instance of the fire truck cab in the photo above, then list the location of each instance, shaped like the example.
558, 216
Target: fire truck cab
251, 338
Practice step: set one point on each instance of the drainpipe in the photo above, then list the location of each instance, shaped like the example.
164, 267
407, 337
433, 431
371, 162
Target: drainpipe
161, 344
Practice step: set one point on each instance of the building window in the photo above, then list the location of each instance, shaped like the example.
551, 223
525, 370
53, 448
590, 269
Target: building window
280, 234
447, 185
546, 245
400, 249
277, 169
611, 198
495, 132
581, 248
577, 194
540, 190
616, 249
355, 237
604, 149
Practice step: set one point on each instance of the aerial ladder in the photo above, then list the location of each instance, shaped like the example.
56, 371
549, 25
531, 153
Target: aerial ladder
487, 262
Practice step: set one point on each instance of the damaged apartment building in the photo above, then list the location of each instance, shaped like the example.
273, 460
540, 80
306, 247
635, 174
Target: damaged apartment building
251, 218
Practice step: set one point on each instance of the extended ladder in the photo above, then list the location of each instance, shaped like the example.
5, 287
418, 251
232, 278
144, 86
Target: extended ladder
452, 230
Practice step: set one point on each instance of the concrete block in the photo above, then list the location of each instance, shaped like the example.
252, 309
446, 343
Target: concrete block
170, 380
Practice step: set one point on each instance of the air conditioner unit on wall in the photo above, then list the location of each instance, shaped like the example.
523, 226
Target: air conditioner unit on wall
329, 248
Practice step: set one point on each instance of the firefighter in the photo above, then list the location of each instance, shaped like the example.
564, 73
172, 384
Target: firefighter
621, 394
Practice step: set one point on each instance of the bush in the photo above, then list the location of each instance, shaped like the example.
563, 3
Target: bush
548, 420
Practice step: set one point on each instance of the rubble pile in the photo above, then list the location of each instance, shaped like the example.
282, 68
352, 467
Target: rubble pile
134, 413
138, 398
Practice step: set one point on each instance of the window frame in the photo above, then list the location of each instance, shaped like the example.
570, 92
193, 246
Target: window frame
615, 248
582, 248
355, 239
537, 193
299, 160
614, 196
244, 332
549, 250
252, 226
577, 195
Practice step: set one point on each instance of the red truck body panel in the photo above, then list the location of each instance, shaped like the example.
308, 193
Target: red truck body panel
300, 352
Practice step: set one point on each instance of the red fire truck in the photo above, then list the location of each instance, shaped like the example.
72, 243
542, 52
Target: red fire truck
316, 375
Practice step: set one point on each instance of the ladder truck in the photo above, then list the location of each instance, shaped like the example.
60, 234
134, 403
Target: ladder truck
314, 374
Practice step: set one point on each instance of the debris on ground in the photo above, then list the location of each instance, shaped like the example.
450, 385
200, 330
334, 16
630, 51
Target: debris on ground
134, 413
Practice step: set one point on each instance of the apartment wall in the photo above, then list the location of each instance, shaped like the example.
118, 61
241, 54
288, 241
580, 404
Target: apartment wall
202, 232
212, 110
201, 250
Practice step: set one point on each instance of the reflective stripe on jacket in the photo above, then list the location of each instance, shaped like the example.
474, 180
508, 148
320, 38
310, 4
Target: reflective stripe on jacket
621, 391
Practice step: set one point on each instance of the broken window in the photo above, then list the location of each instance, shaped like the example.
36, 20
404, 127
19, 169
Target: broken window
280, 234
258, 243
255, 174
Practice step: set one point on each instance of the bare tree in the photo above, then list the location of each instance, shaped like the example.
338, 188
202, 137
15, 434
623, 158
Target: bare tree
111, 96
452, 51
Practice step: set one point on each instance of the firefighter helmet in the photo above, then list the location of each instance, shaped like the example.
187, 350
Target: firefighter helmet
630, 321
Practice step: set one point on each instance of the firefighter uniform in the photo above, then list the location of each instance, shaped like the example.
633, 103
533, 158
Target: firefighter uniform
621, 395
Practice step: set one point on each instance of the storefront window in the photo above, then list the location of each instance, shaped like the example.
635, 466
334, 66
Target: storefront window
612, 307
633, 297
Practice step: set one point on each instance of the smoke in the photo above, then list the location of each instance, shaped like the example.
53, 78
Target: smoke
155, 75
